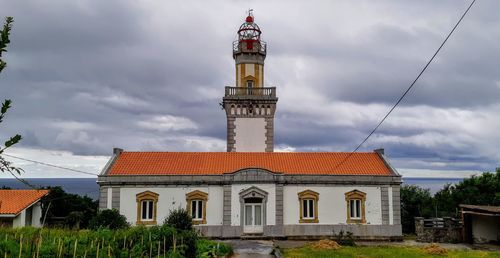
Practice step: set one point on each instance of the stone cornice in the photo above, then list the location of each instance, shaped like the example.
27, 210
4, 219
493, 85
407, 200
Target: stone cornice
248, 176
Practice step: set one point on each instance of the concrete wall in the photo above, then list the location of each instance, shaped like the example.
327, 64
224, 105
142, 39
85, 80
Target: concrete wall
37, 215
332, 208
19, 220
236, 205
485, 229
170, 198
250, 134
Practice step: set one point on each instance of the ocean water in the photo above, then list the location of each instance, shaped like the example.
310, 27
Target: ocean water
89, 187
81, 186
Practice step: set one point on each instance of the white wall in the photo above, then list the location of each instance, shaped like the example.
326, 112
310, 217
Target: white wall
19, 221
36, 215
171, 198
250, 134
485, 228
332, 208
236, 205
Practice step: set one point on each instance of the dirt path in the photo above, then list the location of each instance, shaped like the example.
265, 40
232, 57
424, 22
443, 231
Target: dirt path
251, 248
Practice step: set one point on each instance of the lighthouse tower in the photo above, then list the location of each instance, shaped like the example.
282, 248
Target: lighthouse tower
249, 105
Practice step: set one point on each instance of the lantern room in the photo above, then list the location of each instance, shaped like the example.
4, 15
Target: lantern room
249, 53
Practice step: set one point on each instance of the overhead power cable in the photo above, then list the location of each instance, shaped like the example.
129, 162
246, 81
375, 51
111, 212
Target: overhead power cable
23, 181
408, 89
51, 165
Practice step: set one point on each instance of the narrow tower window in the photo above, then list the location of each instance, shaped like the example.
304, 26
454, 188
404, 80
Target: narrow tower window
250, 87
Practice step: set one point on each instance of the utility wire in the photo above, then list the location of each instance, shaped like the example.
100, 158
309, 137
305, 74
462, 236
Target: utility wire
51, 165
23, 181
409, 88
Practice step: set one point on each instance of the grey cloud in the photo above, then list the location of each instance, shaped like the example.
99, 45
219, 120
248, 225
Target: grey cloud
113, 64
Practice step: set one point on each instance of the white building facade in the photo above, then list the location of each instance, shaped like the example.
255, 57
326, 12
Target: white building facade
257, 201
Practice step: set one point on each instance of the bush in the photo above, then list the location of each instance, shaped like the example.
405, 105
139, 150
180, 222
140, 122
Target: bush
179, 219
345, 239
111, 219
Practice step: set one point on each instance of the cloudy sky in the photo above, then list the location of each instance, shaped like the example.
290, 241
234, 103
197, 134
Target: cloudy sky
86, 76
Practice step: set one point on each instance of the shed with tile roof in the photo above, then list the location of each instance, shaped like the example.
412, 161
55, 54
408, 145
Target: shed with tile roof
19, 208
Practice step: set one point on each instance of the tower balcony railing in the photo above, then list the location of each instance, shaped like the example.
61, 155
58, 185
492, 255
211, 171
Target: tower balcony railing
250, 92
256, 46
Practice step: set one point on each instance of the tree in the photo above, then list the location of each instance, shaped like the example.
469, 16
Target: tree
70, 210
483, 189
6, 166
179, 219
415, 202
110, 219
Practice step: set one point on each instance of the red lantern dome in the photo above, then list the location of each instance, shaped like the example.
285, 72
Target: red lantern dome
249, 30
249, 40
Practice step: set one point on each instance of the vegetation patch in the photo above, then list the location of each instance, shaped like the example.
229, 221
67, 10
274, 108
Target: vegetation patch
381, 252
162, 241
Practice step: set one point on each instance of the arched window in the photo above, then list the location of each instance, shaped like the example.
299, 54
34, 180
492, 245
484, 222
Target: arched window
268, 110
232, 109
146, 208
197, 206
308, 206
238, 110
355, 201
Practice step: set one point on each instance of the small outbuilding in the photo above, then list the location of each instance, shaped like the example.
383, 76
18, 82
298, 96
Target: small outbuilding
481, 224
19, 208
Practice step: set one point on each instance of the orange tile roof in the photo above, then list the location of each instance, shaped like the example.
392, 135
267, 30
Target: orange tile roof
216, 163
14, 201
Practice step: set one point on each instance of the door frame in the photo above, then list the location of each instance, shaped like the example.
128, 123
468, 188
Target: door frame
254, 229
253, 192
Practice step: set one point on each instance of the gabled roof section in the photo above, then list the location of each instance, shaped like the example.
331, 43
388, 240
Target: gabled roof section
218, 163
15, 201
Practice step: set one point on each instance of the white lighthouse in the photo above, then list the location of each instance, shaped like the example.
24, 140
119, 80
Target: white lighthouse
250, 106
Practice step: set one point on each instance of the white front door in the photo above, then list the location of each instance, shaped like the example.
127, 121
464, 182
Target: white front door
253, 218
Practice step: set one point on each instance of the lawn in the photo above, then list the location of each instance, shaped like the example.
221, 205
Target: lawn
380, 251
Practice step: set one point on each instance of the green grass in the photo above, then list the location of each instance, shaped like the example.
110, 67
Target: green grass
380, 251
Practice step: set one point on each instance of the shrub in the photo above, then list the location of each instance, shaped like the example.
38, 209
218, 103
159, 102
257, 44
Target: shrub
111, 219
344, 238
188, 240
209, 248
179, 219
